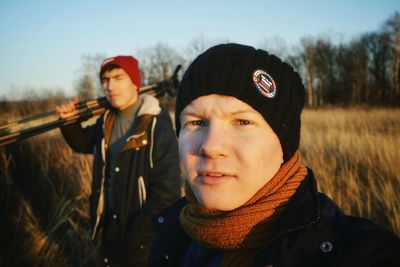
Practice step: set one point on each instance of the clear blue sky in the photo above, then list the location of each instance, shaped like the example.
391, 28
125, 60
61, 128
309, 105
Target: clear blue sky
42, 41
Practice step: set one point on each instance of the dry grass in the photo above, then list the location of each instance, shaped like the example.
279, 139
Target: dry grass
44, 186
355, 156
44, 190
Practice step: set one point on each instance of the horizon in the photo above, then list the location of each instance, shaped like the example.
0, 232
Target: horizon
44, 47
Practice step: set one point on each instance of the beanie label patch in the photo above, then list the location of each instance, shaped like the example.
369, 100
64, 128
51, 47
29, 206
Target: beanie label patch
264, 83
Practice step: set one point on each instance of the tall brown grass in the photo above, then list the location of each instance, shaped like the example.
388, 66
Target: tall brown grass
355, 155
44, 186
44, 191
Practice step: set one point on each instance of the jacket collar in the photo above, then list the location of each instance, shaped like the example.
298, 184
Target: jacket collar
304, 211
304, 207
149, 108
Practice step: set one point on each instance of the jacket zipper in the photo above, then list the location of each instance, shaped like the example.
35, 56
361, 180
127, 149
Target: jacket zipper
302, 227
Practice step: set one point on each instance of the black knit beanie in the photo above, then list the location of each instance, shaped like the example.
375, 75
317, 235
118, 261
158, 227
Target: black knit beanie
253, 76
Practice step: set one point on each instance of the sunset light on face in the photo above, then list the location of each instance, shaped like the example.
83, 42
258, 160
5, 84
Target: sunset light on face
228, 151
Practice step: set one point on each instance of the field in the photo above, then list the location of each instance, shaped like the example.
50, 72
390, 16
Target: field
355, 155
44, 186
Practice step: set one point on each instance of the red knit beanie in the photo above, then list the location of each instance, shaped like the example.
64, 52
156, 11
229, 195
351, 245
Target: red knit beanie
128, 63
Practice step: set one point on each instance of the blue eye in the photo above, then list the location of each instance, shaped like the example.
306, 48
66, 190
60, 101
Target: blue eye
198, 123
195, 123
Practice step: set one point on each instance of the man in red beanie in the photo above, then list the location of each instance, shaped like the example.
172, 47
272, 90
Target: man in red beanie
135, 168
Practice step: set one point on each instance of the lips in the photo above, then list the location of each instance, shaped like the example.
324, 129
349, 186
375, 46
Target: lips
212, 177
214, 174
113, 96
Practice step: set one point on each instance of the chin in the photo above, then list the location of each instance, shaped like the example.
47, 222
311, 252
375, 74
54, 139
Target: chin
215, 199
215, 204
206, 201
116, 105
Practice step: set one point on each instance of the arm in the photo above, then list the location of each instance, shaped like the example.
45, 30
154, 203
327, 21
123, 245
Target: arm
78, 138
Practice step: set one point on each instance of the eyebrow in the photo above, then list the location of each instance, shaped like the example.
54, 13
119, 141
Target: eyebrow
236, 112
241, 111
113, 77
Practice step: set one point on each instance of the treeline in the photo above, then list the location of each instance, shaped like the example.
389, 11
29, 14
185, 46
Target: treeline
363, 71
31, 103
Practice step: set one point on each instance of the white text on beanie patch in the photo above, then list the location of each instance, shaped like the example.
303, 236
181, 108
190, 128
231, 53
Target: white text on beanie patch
264, 83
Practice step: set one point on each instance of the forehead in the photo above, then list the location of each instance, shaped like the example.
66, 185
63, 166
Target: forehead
114, 72
216, 104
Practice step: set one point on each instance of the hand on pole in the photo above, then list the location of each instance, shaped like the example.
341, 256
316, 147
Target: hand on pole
68, 109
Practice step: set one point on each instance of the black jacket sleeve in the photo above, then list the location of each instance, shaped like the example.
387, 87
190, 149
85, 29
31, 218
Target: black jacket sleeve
370, 247
80, 139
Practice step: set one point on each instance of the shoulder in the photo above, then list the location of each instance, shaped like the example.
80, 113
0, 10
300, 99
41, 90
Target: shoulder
356, 241
167, 221
359, 241
150, 105
364, 244
163, 124
343, 224
171, 241
164, 117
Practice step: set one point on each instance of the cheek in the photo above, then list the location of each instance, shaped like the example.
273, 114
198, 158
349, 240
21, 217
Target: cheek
252, 150
186, 155
262, 158
182, 146
188, 143
130, 93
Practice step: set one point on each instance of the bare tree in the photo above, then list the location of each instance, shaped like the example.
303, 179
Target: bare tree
159, 62
352, 73
324, 68
197, 46
86, 87
307, 55
392, 29
200, 44
87, 83
378, 57
276, 46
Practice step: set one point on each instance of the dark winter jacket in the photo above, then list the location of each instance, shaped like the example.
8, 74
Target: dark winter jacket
147, 179
314, 232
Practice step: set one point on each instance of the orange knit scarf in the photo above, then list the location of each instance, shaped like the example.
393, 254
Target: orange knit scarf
249, 227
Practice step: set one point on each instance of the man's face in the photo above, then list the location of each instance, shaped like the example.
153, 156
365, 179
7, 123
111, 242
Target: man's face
228, 151
118, 88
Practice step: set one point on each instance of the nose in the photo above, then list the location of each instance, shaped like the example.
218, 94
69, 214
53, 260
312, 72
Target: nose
214, 144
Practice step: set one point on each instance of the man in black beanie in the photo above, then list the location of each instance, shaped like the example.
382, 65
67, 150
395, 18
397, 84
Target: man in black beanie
249, 199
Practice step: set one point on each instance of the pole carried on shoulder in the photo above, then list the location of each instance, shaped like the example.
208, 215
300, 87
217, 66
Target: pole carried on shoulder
86, 109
